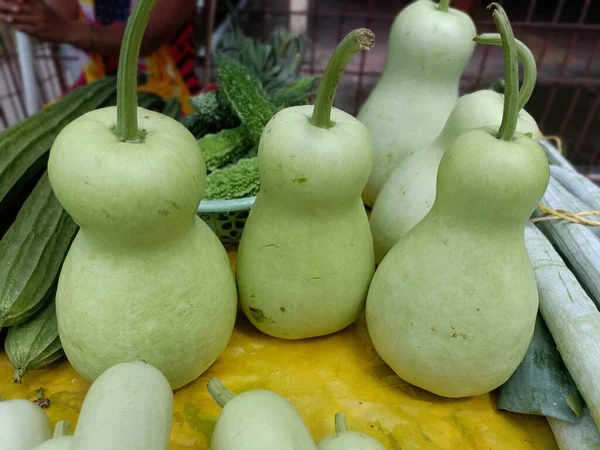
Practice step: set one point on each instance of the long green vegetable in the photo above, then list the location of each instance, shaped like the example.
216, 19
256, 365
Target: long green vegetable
583, 435
23, 144
31, 254
542, 384
578, 185
34, 344
554, 156
571, 316
559, 195
245, 95
577, 243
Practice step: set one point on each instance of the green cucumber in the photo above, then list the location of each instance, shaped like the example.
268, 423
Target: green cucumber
34, 344
31, 254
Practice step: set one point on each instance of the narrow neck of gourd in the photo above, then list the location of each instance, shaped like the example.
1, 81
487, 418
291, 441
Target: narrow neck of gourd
421, 76
136, 240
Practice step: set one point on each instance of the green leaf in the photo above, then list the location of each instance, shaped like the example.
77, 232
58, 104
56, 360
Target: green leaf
542, 384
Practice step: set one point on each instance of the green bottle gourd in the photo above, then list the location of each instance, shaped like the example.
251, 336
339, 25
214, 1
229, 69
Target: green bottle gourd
62, 437
305, 259
452, 307
23, 425
145, 278
345, 439
257, 420
409, 192
429, 47
128, 407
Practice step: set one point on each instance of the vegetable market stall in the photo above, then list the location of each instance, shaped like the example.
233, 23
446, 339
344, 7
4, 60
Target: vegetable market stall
319, 376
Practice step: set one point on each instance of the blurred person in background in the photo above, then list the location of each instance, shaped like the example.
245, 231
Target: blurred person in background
96, 28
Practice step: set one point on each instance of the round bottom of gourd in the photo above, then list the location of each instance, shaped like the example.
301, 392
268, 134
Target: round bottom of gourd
272, 328
455, 333
172, 305
449, 365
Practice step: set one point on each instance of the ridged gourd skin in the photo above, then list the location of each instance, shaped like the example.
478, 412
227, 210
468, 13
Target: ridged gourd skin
409, 192
58, 443
306, 259
428, 50
452, 306
145, 278
260, 420
128, 407
23, 425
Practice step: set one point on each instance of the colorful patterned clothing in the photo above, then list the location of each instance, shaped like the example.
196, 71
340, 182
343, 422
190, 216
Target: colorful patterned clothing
170, 68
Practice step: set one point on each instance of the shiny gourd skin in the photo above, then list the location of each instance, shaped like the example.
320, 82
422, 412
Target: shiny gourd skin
409, 192
428, 50
145, 278
59, 443
305, 259
23, 425
452, 306
346, 439
128, 407
260, 420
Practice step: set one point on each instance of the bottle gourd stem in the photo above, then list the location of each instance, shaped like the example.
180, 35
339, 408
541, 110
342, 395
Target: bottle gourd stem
443, 5
341, 425
127, 123
511, 74
62, 428
356, 40
526, 58
219, 392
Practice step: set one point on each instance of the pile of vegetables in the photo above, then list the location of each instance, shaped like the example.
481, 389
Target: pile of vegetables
254, 82
488, 265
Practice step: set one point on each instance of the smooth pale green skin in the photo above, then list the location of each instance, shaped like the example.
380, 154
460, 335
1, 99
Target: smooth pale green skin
23, 425
59, 443
145, 278
428, 50
409, 192
452, 307
350, 440
305, 259
260, 420
128, 407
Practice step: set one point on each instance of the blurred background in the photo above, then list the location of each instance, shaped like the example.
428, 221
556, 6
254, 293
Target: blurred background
563, 35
